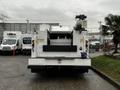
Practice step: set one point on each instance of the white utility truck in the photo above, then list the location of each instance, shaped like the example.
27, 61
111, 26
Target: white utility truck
59, 47
11, 41
26, 43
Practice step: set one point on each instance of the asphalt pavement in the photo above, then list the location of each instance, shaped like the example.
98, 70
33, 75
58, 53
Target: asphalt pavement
14, 75
95, 54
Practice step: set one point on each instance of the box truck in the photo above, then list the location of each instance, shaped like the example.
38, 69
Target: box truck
11, 42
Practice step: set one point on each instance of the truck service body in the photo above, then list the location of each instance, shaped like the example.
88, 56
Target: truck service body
11, 41
59, 48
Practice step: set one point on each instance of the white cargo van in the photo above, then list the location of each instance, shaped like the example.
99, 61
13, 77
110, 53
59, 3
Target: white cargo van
26, 43
11, 41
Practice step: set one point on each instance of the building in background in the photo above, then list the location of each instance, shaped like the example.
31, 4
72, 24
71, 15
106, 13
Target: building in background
24, 27
94, 36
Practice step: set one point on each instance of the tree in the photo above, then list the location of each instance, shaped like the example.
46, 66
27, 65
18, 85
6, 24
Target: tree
105, 30
104, 33
113, 23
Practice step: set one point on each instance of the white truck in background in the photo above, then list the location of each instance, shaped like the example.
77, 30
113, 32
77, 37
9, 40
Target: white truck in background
26, 43
60, 48
11, 41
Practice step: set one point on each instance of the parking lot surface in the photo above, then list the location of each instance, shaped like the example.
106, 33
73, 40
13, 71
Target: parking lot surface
14, 75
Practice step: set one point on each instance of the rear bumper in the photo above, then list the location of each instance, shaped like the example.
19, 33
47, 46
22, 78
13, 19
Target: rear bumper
26, 50
42, 62
10, 50
6, 50
67, 67
78, 69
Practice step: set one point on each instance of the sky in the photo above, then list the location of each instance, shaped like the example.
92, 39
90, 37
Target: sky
61, 11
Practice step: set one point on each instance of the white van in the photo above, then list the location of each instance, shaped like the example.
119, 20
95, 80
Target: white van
26, 43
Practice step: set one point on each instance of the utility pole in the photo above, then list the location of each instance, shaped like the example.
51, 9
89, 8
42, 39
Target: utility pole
100, 29
27, 28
